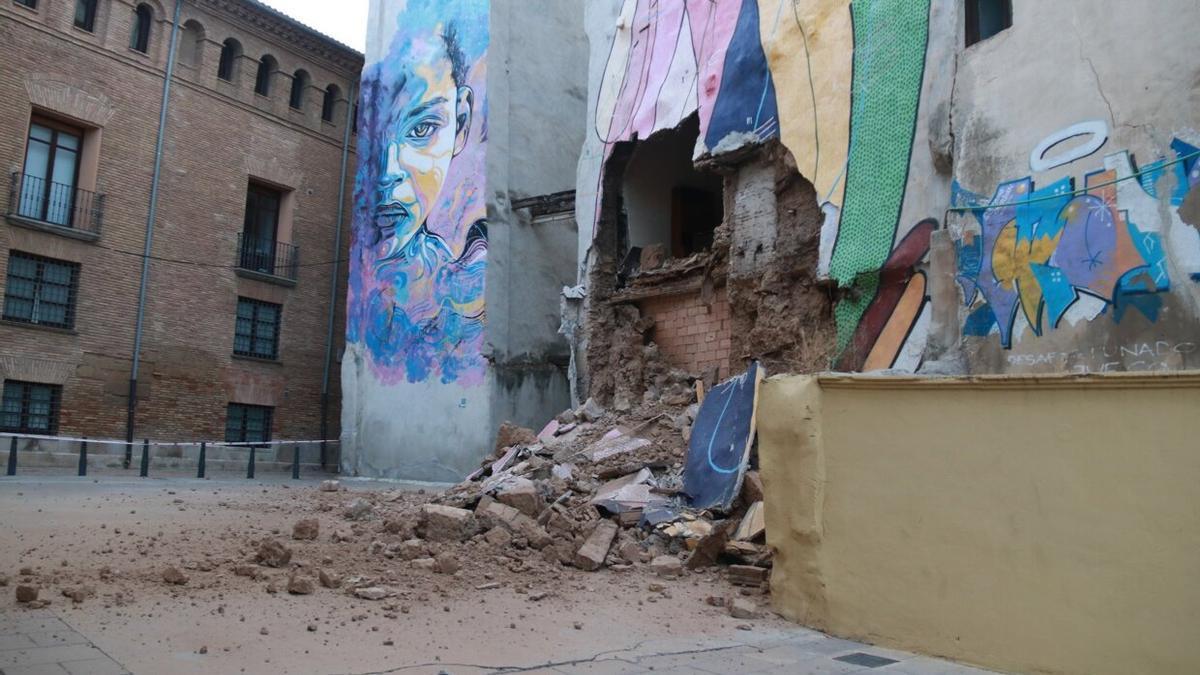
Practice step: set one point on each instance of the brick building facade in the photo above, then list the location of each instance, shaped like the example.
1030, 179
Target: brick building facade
239, 286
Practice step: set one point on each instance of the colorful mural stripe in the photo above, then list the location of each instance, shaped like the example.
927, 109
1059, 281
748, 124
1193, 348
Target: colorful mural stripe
890, 39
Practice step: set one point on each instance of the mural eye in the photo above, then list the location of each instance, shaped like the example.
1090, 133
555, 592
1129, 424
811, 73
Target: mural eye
423, 130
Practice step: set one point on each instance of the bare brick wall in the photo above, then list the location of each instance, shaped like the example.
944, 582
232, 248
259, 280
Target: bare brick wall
692, 335
220, 135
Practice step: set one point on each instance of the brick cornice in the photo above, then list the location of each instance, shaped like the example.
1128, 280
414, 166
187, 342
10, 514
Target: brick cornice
274, 25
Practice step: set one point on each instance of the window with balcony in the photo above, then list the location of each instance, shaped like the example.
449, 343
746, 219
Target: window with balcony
85, 15
30, 408
248, 423
48, 189
40, 291
259, 247
256, 332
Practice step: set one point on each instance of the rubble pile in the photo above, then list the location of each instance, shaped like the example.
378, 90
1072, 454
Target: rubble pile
594, 490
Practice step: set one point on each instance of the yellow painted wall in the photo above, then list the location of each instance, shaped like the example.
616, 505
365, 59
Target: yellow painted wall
810, 47
1032, 525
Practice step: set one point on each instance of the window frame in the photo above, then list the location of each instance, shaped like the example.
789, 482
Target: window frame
28, 4
300, 81
231, 49
257, 326
329, 103
240, 433
38, 281
267, 66
91, 9
139, 37
25, 401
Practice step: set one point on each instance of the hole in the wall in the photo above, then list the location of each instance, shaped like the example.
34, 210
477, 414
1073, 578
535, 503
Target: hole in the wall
665, 200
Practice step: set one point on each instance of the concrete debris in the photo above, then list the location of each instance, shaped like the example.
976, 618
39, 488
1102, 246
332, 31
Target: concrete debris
445, 523
741, 608
330, 486
306, 529
748, 575
273, 554
593, 552
298, 585
371, 593
510, 434
26, 593
752, 488
172, 575
549, 431
615, 442
590, 411
359, 509
445, 563
667, 566
522, 495
411, 549
329, 579
753, 524
78, 594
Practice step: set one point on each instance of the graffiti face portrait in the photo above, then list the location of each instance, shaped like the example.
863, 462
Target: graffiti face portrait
426, 117
419, 259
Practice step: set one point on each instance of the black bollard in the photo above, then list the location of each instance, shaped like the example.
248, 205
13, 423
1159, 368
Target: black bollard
12, 457
83, 457
145, 472
203, 452
296, 462
250, 466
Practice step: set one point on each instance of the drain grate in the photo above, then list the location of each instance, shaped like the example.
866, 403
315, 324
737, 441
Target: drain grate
864, 659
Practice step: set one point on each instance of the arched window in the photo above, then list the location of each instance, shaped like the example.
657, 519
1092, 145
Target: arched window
330, 102
85, 15
230, 51
299, 84
191, 46
267, 66
139, 38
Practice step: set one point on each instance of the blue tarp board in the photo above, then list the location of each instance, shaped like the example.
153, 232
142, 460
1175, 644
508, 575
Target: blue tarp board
722, 436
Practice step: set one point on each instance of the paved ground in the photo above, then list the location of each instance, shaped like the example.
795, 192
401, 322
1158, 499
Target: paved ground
216, 629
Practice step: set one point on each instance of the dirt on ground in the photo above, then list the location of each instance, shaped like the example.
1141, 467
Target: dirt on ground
522, 562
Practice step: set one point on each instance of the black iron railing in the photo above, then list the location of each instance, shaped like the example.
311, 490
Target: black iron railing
276, 258
45, 201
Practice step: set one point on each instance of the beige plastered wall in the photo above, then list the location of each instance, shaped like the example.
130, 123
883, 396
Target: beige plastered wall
1023, 524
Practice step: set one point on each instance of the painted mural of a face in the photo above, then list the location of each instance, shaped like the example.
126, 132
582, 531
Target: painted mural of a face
418, 265
426, 119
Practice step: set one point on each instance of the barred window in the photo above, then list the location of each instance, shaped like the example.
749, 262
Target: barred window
30, 408
40, 290
257, 329
248, 423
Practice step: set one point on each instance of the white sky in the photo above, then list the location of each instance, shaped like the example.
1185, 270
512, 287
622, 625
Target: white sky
342, 20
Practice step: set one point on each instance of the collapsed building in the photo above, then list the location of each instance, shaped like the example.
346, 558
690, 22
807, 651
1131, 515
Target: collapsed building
833, 185
819, 185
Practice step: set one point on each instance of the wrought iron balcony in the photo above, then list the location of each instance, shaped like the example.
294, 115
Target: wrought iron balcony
267, 257
38, 200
